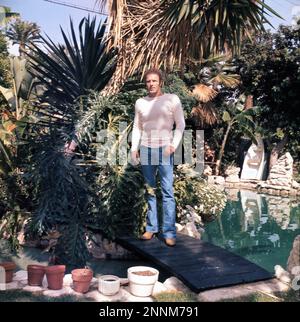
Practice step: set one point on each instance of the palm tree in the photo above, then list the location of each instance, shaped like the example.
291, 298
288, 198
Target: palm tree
71, 70
214, 74
168, 32
23, 33
242, 119
7, 15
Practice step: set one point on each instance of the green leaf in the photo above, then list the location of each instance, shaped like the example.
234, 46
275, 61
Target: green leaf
226, 117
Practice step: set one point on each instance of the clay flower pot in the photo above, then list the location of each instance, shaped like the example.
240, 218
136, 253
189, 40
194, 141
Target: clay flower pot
82, 279
55, 276
9, 270
142, 280
35, 274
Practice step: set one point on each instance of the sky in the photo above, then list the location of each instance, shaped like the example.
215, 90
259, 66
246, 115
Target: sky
49, 16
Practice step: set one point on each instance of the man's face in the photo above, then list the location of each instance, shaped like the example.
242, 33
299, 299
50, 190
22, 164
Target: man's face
153, 84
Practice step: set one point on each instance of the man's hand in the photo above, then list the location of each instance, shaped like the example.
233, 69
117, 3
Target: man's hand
169, 150
135, 157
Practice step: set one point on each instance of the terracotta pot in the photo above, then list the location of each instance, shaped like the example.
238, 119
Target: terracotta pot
9, 270
82, 279
55, 276
35, 274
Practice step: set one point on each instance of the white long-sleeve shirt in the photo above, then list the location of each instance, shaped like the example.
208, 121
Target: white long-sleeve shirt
154, 120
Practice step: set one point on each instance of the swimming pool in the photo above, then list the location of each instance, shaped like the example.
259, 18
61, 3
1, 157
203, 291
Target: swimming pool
260, 228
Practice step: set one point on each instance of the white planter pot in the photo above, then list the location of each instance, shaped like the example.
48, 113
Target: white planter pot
109, 284
141, 285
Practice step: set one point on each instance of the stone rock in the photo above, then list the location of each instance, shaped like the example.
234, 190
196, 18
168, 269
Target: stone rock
101, 248
33, 289
158, 288
94, 283
218, 180
45, 282
20, 276
23, 283
282, 274
207, 170
68, 281
67, 290
191, 230
282, 171
280, 177
12, 285
174, 284
99, 297
294, 258
179, 227
232, 171
233, 179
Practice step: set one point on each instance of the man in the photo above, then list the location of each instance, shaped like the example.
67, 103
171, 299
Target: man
154, 118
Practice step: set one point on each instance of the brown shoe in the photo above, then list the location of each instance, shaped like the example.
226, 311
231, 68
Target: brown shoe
170, 241
147, 236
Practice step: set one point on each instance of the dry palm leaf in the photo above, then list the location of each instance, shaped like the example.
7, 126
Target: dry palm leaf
204, 115
230, 81
203, 93
154, 33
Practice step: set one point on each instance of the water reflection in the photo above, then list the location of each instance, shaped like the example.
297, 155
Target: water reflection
258, 227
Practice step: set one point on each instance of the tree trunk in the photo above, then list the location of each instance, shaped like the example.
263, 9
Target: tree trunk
22, 49
276, 151
218, 162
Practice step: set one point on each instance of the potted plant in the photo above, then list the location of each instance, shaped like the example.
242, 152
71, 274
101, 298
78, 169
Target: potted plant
82, 279
142, 280
9, 270
55, 276
35, 275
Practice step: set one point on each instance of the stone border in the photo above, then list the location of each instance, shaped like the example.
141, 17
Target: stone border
171, 284
258, 186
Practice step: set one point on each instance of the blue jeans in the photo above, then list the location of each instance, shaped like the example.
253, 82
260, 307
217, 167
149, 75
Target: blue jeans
152, 159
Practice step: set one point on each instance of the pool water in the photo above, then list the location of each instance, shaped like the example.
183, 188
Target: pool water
260, 228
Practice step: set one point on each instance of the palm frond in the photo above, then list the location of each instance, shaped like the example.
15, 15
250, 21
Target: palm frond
164, 33
230, 81
204, 115
203, 93
71, 70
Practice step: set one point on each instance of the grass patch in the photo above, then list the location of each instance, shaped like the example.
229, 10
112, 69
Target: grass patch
25, 296
290, 296
174, 296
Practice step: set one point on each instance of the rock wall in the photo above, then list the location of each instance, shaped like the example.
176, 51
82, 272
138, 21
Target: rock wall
294, 258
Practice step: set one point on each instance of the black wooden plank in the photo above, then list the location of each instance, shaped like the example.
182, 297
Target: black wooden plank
228, 280
200, 265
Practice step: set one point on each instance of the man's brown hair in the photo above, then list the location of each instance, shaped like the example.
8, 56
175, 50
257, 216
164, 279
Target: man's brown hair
155, 71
